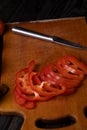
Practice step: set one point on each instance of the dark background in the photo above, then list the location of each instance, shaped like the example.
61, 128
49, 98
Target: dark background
31, 10
27, 10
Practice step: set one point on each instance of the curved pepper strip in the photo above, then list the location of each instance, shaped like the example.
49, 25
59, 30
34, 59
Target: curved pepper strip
18, 98
22, 81
69, 71
68, 83
33, 97
22, 101
63, 78
45, 84
48, 74
70, 91
22, 78
31, 66
40, 88
24, 88
74, 63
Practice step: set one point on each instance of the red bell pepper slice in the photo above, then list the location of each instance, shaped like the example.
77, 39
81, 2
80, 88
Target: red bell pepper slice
29, 105
62, 78
24, 89
46, 84
22, 78
74, 63
31, 66
22, 81
71, 68
22, 101
43, 91
32, 97
70, 91
49, 74
18, 98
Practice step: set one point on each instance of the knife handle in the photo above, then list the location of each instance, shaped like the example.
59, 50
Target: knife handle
34, 34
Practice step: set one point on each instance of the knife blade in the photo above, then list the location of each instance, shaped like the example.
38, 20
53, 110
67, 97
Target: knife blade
54, 39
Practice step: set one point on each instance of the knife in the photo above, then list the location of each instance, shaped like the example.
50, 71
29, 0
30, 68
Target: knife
54, 39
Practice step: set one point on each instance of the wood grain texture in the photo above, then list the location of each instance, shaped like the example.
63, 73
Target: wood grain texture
19, 50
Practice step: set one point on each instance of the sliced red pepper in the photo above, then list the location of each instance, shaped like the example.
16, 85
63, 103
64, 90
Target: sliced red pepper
46, 84
22, 81
18, 98
29, 105
36, 79
22, 101
22, 78
68, 83
44, 92
33, 97
70, 91
70, 67
62, 78
31, 66
38, 86
51, 75
74, 63
48, 74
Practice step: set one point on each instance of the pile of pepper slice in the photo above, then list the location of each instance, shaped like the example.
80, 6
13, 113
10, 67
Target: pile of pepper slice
62, 78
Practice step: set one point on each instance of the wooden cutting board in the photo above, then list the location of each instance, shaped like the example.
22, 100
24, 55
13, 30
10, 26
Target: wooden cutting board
19, 50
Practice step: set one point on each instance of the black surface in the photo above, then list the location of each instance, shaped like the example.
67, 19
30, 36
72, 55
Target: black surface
25, 10
29, 10
10, 122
